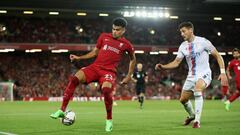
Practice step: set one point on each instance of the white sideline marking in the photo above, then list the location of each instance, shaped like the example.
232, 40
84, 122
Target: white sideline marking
6, 133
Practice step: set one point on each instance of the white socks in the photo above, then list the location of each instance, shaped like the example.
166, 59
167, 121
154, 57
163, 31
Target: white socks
188, 107
198, 105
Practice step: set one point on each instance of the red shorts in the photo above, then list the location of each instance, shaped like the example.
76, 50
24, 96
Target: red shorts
94, 73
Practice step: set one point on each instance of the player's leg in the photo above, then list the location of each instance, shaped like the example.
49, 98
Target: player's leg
233, 97
142, 96
108, 100
199, 87
79, 77
185, 100
187, 93
141, 100
224, 90
73, 82
138, 92
107, 81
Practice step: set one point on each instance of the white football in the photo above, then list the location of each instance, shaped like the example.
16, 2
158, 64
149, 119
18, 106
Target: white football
69, 118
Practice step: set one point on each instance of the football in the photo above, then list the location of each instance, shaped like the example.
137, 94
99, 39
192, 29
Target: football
69, 118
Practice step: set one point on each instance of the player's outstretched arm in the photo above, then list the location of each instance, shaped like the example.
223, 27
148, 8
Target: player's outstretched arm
170, 65
222, 76
89, 55
130, 69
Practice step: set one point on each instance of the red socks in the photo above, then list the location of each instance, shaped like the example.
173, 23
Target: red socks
68, 93
224, 90
73, 83
108, 99
234, 96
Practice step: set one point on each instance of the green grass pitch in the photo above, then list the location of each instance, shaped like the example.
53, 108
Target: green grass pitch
157, 118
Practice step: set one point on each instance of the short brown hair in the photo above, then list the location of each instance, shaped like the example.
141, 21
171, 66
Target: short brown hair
185, 24
119, 21
236, 50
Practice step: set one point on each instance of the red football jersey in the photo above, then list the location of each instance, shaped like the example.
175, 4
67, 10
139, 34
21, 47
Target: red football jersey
235, 65
111, 50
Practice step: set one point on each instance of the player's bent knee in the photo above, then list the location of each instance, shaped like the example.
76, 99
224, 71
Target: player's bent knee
185, 96
183, 100
197, 94
81, 76
107, 88
201, 84
107, 85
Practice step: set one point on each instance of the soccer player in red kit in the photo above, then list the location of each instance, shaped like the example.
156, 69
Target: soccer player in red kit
109, 50
235, 66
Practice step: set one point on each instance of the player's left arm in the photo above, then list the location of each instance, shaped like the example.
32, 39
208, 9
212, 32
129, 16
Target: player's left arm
146, 78
222, 76
131, 68
89, 55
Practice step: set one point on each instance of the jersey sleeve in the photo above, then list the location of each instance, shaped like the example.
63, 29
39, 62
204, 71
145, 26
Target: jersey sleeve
129, 48
180, 52
208, 46
99, 41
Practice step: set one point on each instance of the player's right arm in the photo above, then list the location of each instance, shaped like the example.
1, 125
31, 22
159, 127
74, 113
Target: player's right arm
170, 65
89, 55
175, 63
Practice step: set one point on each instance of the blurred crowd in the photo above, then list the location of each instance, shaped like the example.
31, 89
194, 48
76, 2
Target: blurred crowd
46, 75
82, 30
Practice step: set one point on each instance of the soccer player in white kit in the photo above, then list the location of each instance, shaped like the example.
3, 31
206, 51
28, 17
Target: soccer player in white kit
196, 51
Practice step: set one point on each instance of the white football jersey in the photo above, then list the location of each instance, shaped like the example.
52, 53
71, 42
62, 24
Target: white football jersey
197, 56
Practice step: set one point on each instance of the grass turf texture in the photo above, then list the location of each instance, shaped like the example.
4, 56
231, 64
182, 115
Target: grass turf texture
157, 118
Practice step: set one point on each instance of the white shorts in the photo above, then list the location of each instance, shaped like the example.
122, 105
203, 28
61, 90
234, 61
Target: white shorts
191, 81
